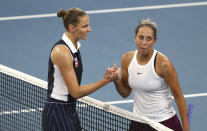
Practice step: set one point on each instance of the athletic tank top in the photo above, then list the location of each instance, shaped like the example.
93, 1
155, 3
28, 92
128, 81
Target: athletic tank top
57, 88
151, 93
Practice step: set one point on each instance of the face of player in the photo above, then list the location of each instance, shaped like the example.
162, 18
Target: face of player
82, 28
145, 40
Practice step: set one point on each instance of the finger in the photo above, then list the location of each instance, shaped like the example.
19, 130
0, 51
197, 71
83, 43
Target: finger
108, 68
114, 66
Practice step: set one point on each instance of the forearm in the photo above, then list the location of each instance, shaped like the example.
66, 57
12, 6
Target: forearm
182, 108
87, 89
122, 90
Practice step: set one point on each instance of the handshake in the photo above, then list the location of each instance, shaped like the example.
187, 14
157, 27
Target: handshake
112, 73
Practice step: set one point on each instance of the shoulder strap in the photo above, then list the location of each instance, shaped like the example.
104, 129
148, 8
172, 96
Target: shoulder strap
155, 58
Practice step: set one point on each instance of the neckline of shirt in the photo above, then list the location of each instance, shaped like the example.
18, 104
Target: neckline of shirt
70, 44
147, 62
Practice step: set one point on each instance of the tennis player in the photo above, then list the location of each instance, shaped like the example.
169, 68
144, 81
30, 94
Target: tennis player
65, 72
151, 76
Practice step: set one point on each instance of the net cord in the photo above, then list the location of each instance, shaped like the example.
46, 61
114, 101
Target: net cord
88, 100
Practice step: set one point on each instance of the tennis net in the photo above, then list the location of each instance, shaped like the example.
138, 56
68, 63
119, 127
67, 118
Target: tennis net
22, 99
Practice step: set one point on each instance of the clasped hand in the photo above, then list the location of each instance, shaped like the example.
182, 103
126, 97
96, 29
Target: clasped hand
112, 73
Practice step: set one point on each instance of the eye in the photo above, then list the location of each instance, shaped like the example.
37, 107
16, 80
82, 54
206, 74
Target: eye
149, 38
85, 26
141, 37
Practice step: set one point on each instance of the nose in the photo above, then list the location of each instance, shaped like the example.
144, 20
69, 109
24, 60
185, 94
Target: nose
89, 29
144, 42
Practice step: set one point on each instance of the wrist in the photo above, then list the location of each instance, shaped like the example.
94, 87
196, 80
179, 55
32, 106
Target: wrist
106, 80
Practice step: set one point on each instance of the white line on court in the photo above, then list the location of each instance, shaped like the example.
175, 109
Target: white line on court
131, 101
20, 111
109, 10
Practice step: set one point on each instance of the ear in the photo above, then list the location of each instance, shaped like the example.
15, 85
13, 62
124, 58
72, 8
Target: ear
135, 38
154, 41
71, 28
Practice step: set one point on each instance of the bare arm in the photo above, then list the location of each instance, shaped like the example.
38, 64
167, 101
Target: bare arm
168, 72
122, 84
62, 57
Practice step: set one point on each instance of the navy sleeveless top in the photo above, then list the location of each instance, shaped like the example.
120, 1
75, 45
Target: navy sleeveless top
77, 68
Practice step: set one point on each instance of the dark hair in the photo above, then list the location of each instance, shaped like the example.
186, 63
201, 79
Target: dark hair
149, 23
70, 16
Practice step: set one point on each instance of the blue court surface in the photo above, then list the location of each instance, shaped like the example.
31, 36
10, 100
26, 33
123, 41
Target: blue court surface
28, 30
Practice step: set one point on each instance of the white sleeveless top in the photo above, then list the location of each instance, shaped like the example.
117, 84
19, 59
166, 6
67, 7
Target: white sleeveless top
151, 93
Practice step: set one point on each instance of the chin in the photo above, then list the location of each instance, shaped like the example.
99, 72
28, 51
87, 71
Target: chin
84, 38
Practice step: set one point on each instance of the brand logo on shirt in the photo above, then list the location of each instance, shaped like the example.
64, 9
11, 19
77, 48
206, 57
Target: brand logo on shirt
138, 73
76, 62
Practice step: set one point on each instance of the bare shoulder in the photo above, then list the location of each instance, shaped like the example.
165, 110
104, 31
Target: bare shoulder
164, 64
60, 53
126, 59
128, 56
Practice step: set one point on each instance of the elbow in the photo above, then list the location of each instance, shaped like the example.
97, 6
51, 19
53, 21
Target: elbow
75, 95
75, 92
124, 95
178, 96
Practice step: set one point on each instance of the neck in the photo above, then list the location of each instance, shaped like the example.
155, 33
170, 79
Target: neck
72, 38
144, 58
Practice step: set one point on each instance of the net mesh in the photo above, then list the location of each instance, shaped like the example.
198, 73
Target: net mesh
22, 99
